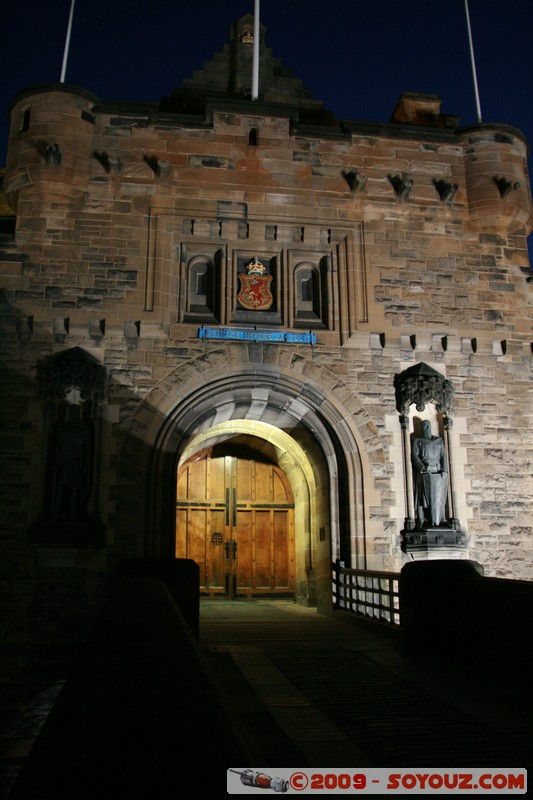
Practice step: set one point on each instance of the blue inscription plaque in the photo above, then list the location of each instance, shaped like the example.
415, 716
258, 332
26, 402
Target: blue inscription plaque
247, 335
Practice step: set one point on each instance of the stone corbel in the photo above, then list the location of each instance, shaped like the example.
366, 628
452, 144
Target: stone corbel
158, 167
356, 182
51, 153
109, 163
402, 185
505, 186
446, 190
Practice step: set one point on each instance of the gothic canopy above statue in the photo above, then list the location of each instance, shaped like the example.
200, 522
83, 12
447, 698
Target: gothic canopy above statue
74, 368
419, 385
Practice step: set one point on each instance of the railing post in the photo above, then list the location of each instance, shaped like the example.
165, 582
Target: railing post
366, 593
337, 570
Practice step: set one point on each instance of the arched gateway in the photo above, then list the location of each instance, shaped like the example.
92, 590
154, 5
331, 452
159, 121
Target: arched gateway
256, 473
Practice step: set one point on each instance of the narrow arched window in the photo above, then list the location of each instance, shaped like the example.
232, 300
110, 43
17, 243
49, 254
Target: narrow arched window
201, 293
25, 121
308, 303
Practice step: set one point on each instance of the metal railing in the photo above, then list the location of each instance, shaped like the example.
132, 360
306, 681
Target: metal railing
367, 593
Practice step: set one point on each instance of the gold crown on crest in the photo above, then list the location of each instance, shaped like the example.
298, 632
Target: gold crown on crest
255, 267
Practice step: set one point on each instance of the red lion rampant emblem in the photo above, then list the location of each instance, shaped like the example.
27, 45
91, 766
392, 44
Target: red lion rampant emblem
255, 294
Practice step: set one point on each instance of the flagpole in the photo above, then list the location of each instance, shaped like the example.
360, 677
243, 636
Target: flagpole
478, 106
255, 64
67, 42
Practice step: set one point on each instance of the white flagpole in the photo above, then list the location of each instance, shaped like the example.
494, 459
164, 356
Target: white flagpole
255, 64
67, 42
478, 107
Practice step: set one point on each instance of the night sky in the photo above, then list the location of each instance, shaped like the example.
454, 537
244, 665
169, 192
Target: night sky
357, 57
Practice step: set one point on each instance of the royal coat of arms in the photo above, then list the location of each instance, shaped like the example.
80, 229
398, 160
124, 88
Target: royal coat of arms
255, 294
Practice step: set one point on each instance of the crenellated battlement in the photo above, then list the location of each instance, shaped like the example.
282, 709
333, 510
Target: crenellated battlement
66, 143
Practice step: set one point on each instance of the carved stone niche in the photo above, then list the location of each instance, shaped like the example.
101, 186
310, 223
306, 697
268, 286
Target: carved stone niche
73, 383
431, 528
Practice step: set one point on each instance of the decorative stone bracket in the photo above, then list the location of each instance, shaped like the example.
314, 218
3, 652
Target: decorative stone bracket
446, 190
505, 186
355, 181
402, 185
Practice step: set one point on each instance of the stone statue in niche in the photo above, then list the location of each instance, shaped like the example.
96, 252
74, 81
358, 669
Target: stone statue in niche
71, 468
428, 456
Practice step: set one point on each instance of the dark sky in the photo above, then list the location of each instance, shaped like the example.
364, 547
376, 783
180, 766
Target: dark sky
358, 57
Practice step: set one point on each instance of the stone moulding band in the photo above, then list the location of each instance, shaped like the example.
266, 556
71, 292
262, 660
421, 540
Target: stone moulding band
246, 335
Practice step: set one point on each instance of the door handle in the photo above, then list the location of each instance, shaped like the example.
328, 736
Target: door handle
234, 549
227, 545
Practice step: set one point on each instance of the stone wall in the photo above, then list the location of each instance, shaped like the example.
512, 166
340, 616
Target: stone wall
417, 234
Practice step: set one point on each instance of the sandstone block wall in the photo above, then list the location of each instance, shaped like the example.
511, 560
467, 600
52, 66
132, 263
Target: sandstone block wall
417, 236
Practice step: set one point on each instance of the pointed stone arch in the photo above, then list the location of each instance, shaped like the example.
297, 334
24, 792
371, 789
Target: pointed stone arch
228, 385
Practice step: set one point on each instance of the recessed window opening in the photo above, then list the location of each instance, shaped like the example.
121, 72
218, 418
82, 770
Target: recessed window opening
201, 282
306, 289
25, 122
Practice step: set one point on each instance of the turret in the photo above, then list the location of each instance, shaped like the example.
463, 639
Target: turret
497, 183
50, 144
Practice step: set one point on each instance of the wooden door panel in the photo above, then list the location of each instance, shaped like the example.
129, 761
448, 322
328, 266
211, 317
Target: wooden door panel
244, 478
262, 551
279, 489
216, 552
196, 526
182, 484
217, 479
263, 483
244, 541
181, 533
233, 500
281, 550
197, 480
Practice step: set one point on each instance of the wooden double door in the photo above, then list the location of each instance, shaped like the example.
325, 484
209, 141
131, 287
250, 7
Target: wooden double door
235, 518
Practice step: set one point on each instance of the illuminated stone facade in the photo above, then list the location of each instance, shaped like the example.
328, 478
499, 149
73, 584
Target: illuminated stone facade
386, 246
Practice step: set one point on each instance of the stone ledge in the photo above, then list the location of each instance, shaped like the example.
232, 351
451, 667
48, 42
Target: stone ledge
139, 713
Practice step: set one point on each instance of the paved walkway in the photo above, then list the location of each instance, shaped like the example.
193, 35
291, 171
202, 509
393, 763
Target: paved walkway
343, 692
273, 684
